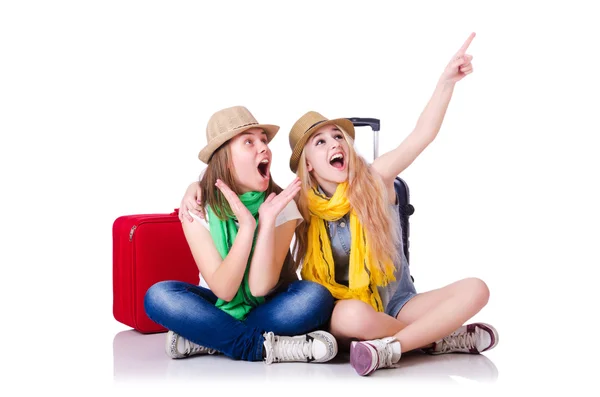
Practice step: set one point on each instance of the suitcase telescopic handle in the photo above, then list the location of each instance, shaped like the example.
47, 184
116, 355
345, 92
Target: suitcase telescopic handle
374, 124
363, 122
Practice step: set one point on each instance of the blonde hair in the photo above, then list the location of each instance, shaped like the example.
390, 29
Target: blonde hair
368, 198
220, 166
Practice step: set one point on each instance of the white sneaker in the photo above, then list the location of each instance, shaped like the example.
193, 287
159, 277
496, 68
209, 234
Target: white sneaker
370, 355
179, 347
472, 338
314, 347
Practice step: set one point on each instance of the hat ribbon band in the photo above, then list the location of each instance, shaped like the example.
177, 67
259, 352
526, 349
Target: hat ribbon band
245, 125
315, 124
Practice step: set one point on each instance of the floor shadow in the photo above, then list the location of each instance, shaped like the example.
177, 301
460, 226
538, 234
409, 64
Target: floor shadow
142, 357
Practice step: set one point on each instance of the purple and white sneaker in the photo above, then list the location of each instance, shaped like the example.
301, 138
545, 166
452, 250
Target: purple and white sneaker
472, 338
370, 355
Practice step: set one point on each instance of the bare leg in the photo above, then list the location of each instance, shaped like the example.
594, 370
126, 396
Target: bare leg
435, 314
353, 319
435, 319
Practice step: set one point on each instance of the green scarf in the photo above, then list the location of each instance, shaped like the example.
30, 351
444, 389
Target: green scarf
223, 234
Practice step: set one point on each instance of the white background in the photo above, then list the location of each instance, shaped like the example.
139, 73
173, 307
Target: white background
103, 108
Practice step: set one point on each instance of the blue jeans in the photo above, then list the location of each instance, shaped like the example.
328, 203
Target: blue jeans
189, 310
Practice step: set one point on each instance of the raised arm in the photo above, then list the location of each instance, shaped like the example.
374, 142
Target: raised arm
272, 243
392, 163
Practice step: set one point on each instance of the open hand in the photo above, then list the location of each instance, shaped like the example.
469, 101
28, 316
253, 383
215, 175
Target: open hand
243, 215
191, 202
275, 203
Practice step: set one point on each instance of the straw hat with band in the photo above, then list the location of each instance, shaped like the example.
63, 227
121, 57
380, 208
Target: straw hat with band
227, 123
304, 128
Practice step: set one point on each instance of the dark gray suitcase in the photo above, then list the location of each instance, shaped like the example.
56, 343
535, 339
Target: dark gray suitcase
401, 187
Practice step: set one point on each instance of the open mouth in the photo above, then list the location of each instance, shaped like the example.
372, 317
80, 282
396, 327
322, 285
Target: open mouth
263, 168
337, 161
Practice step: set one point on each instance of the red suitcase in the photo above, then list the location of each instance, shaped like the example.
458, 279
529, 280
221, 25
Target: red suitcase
147, 249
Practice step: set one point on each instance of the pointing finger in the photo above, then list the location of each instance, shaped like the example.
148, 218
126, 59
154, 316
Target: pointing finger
466, 45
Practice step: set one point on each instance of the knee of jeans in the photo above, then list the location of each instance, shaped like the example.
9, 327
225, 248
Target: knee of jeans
316, 294
155, 296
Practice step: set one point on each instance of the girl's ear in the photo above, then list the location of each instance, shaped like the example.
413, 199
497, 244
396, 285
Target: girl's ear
309, 167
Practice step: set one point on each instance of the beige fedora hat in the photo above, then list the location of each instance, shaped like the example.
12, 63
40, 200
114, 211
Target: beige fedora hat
227, 123
304, 128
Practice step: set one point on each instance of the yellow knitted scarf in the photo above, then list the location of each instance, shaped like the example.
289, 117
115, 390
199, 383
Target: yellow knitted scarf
318, 264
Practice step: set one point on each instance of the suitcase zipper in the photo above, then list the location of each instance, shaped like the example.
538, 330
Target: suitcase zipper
131, 232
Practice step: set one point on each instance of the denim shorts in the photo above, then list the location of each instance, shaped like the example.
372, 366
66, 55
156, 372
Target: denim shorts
405, 290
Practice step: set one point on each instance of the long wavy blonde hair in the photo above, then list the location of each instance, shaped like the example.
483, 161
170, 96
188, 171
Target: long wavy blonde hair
369, 199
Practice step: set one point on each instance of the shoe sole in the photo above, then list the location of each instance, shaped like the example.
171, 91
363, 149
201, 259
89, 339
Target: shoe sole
329, 341
168, 348
362, 358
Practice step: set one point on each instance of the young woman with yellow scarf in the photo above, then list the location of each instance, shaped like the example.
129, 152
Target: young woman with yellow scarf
351, 243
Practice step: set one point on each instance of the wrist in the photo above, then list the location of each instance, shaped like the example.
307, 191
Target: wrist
445, 84
266, 222
247, 227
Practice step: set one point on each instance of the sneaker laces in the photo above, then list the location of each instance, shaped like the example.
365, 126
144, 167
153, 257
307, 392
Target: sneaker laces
385, 354
284, 349
193, 348
464, 340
